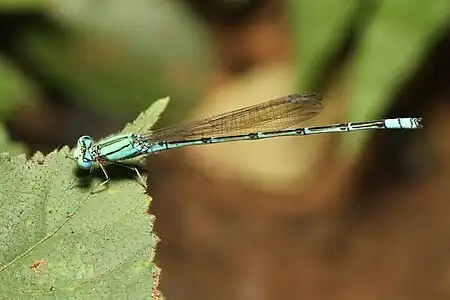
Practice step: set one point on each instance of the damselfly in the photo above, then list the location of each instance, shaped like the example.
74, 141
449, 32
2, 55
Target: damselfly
275, 118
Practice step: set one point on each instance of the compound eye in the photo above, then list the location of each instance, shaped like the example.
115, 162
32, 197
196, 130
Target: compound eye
82, 152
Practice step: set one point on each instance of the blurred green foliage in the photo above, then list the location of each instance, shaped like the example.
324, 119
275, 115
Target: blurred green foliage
115, 57
392, 39
15, 90
6, 145
18, 5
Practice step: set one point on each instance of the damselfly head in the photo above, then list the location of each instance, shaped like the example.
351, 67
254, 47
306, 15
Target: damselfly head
82, 153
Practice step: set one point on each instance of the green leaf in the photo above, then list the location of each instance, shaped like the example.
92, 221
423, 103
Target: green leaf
61, 241
145, 121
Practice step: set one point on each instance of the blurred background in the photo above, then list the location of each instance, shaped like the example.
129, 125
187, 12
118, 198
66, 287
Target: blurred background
341, 216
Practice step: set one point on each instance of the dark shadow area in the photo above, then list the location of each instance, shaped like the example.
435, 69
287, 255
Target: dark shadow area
85, 178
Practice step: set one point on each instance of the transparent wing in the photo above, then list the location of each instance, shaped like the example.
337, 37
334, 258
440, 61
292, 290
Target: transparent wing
273, 115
